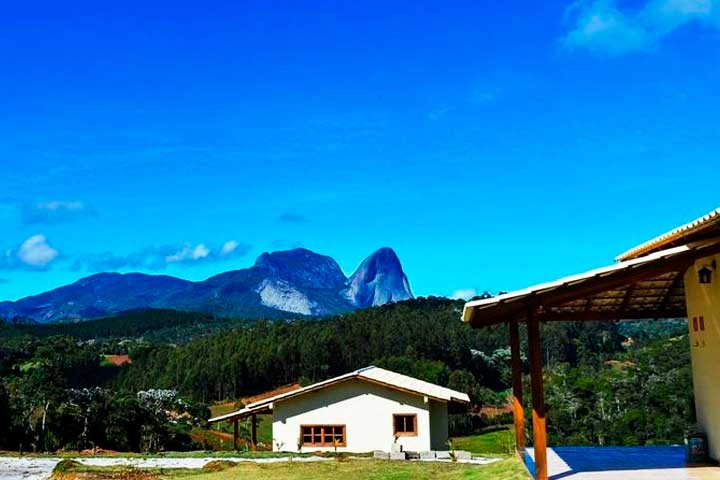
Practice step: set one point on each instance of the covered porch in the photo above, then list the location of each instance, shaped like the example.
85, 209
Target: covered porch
244, 414
651, 286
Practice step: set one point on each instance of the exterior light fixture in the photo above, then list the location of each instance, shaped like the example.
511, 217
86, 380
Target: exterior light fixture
705, 274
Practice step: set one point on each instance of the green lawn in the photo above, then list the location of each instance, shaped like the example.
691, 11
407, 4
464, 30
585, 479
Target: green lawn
498, 443
493, 442
507, 469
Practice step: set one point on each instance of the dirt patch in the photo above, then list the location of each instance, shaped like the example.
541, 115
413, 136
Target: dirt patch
218, 466
492, 411
118, 360
72, 470
101, 475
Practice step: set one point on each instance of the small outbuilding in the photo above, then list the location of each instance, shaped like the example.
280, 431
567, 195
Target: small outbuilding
362, 411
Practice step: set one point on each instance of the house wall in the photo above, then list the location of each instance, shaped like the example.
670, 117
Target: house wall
704, 300
438, 425
366, 410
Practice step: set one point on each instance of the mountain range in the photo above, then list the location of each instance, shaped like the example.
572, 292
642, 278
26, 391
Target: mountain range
278, 285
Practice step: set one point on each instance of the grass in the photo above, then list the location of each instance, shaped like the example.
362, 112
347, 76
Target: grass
189, 454
494, 442
218, 409
507, 469
491, 442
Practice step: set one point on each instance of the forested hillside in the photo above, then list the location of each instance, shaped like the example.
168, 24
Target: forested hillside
608, 383
424, 336
153, 325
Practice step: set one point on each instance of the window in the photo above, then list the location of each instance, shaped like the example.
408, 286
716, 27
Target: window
323, 435
405, 425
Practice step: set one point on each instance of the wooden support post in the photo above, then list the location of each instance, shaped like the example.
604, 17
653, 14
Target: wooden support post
235, 434
517, 398
538, 397
253, 430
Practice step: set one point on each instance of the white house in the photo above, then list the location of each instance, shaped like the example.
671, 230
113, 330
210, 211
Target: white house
361, 411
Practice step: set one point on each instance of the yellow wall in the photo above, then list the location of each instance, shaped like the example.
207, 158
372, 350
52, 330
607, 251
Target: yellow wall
704, 300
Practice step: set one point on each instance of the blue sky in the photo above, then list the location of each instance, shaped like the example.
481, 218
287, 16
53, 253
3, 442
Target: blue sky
491, 144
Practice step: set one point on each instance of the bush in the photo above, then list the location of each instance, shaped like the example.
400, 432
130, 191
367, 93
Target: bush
464, 424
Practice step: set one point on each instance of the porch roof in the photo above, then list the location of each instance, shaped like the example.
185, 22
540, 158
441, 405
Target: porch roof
647, 287
704, 227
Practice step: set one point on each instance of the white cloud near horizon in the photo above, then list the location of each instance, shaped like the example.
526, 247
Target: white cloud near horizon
159, 258
229, 247
464, 294
189, 253
600, 26
34, 253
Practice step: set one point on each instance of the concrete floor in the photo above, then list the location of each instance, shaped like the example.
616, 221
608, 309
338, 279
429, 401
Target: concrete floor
623, 463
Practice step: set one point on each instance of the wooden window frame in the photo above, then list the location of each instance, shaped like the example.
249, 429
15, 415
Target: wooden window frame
414, 433
323, 443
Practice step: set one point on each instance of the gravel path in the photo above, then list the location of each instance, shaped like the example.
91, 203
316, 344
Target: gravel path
33, 468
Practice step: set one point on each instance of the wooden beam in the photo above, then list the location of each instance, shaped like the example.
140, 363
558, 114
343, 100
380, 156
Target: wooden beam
676, 282
538, 397
253, 430
517, 397
627, 297
617, 279
582, 288
235, 434
594, 316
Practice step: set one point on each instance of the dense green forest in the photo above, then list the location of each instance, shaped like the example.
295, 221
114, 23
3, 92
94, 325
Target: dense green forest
53, 395
153, 325
607, 383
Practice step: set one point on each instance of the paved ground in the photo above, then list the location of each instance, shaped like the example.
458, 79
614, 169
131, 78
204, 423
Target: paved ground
623, 463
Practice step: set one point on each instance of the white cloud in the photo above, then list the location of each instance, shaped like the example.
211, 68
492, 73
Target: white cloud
55, 211
179, 256
36, 252
601, 27
200, 251
188, 253
56, 205
229, 247
464, 294
159, 257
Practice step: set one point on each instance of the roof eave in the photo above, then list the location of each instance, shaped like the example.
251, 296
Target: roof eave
499, 309
668, 238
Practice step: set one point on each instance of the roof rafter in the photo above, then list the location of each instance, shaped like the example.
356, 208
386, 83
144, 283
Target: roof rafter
669, 264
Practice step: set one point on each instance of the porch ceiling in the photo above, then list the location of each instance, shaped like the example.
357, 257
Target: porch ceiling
648, 287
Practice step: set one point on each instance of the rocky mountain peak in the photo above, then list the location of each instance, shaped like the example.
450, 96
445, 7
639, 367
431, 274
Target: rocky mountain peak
303, 268
378, 280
